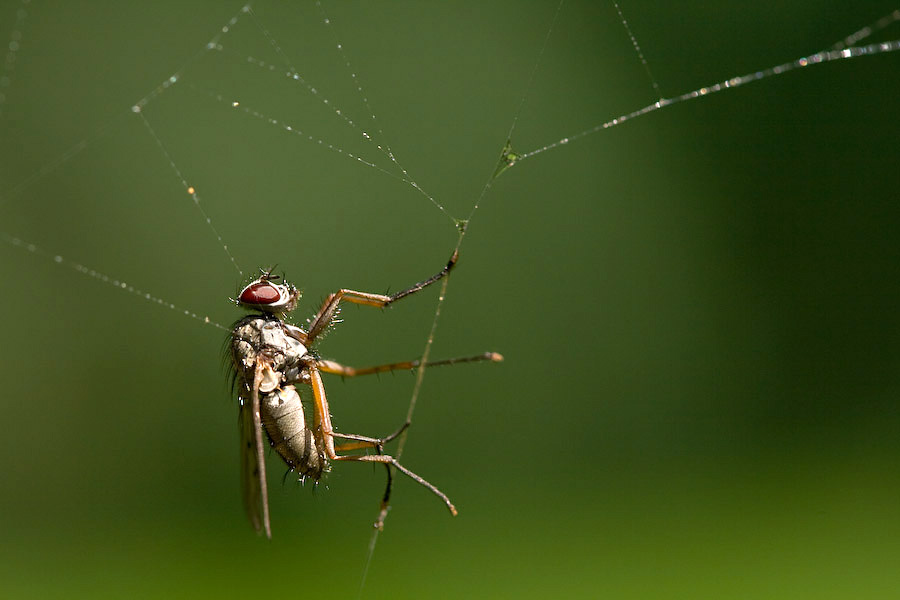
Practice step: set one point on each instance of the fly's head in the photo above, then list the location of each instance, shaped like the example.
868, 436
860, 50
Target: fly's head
266, 295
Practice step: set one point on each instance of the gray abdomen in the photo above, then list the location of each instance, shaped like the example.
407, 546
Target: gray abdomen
284, 422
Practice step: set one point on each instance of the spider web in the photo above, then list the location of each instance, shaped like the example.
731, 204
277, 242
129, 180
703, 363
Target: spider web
225, 153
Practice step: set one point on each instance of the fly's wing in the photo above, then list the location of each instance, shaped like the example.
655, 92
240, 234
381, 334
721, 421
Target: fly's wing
250, 490
253, 466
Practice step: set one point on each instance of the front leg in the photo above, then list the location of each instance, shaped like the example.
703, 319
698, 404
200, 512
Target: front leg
325, 315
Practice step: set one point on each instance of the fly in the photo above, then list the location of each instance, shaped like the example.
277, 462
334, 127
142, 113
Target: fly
272, 359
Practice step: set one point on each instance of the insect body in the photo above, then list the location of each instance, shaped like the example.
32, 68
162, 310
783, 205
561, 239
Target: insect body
271, 359
260, 341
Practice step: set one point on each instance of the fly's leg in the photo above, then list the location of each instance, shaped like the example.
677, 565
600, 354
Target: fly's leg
363, 441
326, 314
390, 460
329, 366
323, 421
378, 444
385, 459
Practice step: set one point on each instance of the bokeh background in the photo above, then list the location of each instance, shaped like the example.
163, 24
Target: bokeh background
698, 308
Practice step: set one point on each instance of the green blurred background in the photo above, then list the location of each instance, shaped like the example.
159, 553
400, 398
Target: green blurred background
697, 308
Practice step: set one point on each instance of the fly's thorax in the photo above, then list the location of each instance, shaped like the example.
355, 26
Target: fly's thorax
255, 335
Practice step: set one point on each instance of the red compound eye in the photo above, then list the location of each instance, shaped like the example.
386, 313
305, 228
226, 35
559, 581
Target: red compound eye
260, 293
